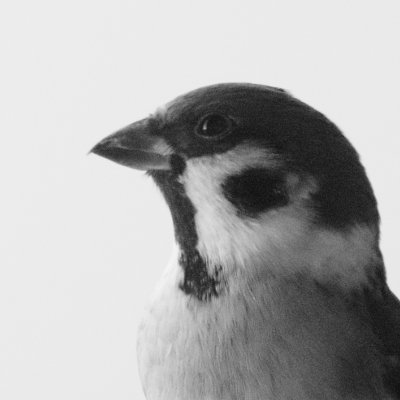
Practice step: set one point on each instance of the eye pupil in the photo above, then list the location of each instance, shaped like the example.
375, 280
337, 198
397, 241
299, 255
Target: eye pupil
214, 125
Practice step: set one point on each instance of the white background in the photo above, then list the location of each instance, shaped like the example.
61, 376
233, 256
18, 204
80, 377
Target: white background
83, 240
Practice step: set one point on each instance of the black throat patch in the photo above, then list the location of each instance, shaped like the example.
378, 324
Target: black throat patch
197, 281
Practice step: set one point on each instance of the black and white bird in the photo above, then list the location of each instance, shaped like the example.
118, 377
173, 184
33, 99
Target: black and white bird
277, 289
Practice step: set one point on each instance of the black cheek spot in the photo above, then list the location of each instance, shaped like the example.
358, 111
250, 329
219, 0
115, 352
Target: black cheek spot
256, 190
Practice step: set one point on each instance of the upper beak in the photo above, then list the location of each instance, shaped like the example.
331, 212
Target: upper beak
135, 146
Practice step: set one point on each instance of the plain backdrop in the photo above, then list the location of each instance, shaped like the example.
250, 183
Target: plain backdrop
83, 240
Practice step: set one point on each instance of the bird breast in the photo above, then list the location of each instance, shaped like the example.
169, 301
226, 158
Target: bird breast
266, 340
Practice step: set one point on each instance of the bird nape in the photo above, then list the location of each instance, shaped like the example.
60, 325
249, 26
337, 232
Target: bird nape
278, 287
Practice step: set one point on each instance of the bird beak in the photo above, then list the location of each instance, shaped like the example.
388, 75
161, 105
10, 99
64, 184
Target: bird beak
135, 146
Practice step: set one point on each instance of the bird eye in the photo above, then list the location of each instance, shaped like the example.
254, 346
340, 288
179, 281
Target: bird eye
214, 126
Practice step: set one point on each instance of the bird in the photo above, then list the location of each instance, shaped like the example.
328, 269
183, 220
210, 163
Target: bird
276, 289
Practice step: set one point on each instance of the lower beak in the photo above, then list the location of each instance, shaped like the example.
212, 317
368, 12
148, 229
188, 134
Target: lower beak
135, 146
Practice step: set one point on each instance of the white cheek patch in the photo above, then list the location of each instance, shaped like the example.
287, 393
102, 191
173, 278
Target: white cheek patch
281, 240
222, 234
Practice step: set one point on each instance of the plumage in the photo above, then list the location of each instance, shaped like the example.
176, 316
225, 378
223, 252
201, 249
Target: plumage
277, 287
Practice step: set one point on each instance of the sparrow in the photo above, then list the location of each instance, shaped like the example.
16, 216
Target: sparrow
277, 288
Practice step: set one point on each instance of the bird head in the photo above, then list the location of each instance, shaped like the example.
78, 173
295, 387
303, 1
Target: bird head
256, 181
